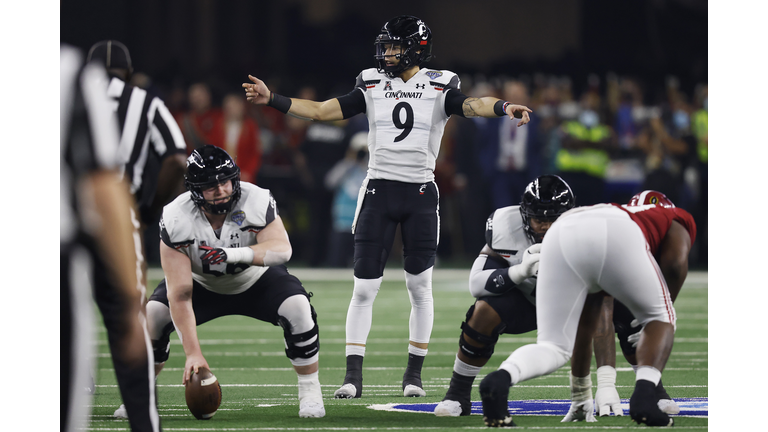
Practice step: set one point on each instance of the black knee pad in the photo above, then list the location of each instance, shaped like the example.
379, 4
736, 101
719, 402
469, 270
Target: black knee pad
472, 351
622, 319
415, 264
161, 348
367, 268
305, 351
623, 334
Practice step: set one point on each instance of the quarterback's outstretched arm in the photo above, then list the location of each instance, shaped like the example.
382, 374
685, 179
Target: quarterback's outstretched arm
258, 94
178, 277
486, 107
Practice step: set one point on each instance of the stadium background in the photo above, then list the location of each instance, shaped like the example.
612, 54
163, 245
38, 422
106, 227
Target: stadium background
654, 53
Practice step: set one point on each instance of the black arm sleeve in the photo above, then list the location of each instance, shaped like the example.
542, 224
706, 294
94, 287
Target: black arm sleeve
352, 103
454, 100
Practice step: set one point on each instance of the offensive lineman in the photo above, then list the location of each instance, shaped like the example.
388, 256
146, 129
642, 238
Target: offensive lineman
222, 251
589, 251
407, 109
503, 279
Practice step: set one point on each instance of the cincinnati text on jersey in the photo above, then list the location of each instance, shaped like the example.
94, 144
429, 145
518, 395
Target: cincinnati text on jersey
401, 94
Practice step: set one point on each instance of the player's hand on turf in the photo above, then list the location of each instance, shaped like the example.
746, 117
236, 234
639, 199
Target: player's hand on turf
607, 400
580, 411
519, 112
212, 256
193, 364
528, 267
257, 92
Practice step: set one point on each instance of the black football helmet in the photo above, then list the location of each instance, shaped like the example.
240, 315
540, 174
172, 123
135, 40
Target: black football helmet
545, 199
208, 166
412, 35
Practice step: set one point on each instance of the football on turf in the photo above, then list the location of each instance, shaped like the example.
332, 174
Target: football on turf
203, 394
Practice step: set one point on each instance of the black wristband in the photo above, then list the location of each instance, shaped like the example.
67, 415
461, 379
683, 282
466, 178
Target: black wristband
500, 108
280, 103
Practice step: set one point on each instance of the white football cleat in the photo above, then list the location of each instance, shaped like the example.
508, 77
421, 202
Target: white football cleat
311, 409
413, 391
448, 408
121, 413
347, 391
668, 406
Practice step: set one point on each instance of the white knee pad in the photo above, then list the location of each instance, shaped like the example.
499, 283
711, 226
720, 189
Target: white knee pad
301, 338
158, 317
422, 305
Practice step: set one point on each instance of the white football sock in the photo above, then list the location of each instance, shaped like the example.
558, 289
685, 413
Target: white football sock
360, 314
465, 369
422, 307
309, 387
648, 373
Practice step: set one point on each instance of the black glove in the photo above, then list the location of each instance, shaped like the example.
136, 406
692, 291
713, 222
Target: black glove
212, 256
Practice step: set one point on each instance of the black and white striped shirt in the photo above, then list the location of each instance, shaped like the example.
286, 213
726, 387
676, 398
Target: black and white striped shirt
149, 134
89, 135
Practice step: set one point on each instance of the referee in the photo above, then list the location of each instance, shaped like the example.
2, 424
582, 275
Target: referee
152, 159
96, 239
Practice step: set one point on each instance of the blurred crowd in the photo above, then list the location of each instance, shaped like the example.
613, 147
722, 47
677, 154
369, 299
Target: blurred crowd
609, 138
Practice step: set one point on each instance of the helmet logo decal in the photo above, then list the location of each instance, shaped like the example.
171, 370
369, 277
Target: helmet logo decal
422, 30
195, 159
654, 200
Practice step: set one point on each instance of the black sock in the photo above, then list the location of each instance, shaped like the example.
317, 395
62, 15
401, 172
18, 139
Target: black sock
661, 392
354, 371
460, 389
413, 371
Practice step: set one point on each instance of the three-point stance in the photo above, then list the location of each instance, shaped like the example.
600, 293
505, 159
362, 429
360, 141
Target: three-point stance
407, 109
503, 279
222, 251
608, 248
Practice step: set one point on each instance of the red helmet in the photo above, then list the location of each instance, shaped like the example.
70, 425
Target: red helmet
651, 197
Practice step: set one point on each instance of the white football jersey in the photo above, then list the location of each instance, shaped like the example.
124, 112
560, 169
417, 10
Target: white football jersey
185, 227
504, 234
406, 122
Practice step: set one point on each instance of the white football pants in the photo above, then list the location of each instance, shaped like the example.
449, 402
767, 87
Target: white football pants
597, 248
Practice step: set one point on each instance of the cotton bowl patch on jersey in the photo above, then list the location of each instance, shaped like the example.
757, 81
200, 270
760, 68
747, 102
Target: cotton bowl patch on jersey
238, 217
689, 407
434, 74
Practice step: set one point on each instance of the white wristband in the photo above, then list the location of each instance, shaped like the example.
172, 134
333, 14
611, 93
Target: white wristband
606, 376
242, 255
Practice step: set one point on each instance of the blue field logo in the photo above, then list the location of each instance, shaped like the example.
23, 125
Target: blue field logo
689, 407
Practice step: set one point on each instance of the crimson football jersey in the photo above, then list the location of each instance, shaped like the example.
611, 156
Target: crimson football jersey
655, 220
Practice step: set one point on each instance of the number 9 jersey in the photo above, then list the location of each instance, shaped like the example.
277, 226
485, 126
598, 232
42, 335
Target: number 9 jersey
406, 121
185, 228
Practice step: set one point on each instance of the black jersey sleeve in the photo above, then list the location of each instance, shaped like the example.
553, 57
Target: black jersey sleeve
454, 99
352, 103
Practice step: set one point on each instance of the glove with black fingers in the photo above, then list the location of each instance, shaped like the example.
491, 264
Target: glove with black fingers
582, 404
528, 267
213, 256
606, 396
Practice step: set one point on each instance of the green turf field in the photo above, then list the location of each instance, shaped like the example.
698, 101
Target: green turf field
259, 385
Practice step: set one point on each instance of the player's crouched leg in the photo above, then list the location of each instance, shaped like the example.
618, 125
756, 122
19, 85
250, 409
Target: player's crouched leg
302, 346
